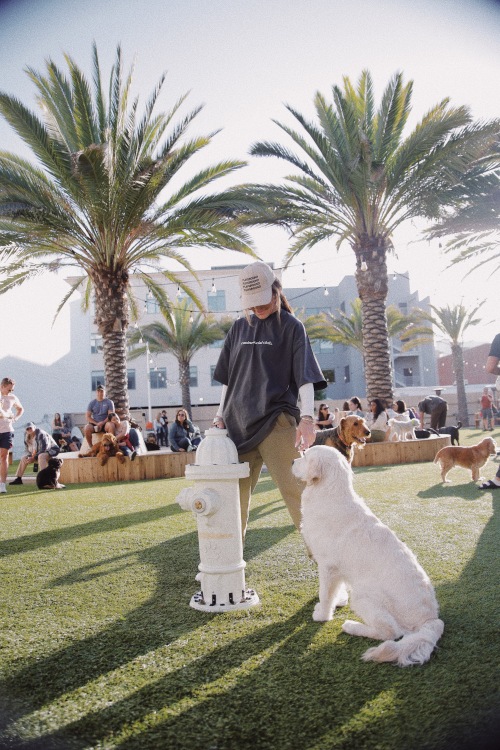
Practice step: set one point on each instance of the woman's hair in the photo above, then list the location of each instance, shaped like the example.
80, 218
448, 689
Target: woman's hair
186, 417
355, 400
324, 406
57, 419
345, 406
8, 381
401, 407
380, 406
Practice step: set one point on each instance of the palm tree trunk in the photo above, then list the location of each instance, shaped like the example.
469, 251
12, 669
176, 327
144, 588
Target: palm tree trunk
458, 368
112, 318
184, 379
372, 283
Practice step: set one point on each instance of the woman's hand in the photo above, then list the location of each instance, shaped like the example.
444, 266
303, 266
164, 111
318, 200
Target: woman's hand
219, 423
306, 434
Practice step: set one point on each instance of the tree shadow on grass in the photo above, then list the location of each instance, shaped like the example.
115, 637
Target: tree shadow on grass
100, 526
154, 624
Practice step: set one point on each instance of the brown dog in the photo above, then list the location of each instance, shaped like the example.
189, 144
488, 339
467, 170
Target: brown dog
104, 450
473, 457
351, 430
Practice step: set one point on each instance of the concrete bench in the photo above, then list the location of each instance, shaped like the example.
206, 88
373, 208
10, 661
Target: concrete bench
400, 452
154, 465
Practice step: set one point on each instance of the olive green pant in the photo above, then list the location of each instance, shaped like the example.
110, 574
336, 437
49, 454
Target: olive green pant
277, 451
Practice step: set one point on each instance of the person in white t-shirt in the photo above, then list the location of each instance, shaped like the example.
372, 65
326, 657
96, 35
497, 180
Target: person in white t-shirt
11, 410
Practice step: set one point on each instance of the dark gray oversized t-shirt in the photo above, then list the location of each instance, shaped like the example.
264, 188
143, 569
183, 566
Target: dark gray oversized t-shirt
263, 364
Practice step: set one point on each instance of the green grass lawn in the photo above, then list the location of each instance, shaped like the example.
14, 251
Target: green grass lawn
100, 649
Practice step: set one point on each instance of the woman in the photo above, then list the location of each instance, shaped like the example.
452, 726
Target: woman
325, 418
403, 412
124, 434
355, 407
59, 429
265, 365
178, 434
11, 410
377, 421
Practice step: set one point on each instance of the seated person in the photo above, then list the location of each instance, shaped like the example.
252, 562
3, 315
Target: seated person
195, 436
151, 444
377, 421
97, 414
355, 407
40, 446
179, 432
325, 418
124, 433
59, 429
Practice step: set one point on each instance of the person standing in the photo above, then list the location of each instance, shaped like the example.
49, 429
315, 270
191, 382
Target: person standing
97, 415
486, 402
40, 446
493, 367
437, 408
11, 410
265, 366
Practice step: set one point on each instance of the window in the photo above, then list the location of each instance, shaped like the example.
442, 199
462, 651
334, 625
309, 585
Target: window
325, 346
212, 379
97, 378
347, 374
329, 376
342, 307
152, 307
131, 380
403, 307
95, 343
407, 372
193, 376
217, 301
158, 377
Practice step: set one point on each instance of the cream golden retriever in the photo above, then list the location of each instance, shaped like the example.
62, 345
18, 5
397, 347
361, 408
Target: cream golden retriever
472, 457
390, 591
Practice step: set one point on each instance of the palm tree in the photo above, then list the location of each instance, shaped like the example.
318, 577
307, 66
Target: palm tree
101, 199
359, 179
346, 329
453, 322
475, 226
182, 334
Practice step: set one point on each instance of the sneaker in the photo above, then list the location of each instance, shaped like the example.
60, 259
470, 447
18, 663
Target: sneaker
3, 489
17, 480
189, 449
133, 455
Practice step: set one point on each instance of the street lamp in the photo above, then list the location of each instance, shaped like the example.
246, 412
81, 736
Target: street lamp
148, 381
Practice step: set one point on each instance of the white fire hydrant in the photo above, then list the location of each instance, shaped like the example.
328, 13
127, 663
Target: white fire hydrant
215, 502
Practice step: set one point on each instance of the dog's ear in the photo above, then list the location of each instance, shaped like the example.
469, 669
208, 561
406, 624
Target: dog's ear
342, 423
314, 468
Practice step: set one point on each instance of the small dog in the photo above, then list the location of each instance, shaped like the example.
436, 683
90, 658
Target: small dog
48, 478
390, 591
452, 431
401, 429
350, 431
473, 457
105, 449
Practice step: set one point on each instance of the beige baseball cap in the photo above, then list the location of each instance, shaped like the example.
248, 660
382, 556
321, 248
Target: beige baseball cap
256, 281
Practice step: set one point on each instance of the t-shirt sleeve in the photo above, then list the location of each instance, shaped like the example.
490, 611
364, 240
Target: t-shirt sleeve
495, 347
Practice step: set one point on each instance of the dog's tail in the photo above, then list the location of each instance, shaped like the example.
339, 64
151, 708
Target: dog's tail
459, 424
414, 648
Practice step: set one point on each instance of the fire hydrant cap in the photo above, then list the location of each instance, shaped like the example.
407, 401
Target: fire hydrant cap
216, 449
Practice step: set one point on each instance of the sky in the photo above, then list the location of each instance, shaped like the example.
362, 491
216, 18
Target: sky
244, 61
